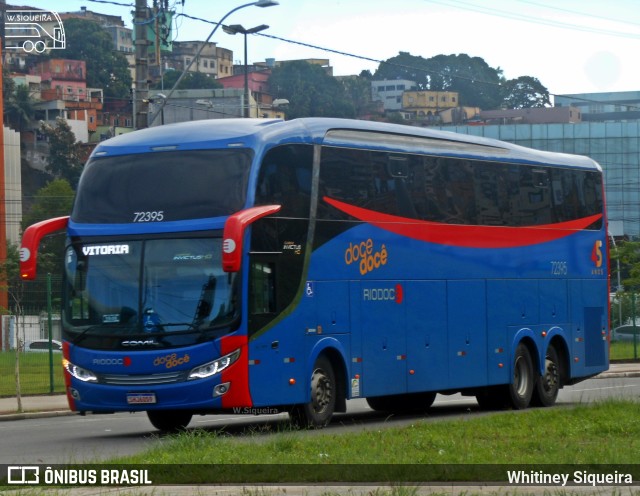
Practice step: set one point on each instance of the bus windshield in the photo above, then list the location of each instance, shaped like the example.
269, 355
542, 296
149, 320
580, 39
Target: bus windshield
162, 186
164, 291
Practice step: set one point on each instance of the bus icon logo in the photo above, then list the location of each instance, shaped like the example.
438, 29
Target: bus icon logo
33, 30
23, 475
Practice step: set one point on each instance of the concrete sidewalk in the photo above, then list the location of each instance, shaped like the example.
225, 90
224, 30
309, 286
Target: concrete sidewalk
56, 404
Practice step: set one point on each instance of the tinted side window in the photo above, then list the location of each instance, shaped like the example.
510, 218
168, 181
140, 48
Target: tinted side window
455, 190
576, 194
285, 179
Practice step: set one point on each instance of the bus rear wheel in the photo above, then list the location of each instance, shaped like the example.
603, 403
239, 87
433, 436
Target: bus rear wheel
548, 383
318, 412
169, 420
402, 403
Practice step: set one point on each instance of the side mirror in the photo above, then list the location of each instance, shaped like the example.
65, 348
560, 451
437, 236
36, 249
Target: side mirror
234, 229
31, 242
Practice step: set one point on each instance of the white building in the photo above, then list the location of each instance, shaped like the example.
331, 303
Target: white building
389, 92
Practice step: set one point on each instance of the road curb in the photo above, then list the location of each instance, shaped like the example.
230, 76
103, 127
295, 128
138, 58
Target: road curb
35, 415
609, 375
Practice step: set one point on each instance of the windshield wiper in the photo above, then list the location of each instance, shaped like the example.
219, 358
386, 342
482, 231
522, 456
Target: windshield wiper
159, 328
85, 332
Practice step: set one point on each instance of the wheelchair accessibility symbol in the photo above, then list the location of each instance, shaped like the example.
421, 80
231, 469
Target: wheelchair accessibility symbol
308, 291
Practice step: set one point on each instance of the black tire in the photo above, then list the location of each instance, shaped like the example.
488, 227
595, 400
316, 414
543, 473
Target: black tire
318, 412
402, 403
169, 420
517, 395
520, 391
548, 384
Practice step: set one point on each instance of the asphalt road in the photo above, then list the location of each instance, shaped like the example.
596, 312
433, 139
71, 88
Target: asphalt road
75, 439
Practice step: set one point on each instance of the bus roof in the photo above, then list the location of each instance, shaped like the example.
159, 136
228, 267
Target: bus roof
258, 133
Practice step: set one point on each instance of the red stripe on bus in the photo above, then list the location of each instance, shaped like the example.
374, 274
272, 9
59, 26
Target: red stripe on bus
467, 236
237, 374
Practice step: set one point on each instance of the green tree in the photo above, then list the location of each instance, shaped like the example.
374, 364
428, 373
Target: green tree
405, 66
11, 281
13, 285
18, 108
65, 154
311, 91
627, 253
191, 81
525, 92
358, 89
106, 68
8, 85
54, 200
625, 267
477, 83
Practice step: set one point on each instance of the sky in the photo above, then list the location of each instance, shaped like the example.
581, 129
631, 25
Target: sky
570, 46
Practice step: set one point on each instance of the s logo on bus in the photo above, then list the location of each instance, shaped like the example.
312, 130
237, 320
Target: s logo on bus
596, 258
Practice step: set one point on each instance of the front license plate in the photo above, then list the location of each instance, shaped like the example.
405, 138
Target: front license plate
141, 398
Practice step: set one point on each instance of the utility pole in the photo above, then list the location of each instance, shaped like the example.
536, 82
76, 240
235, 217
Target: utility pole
141, 90
4, 296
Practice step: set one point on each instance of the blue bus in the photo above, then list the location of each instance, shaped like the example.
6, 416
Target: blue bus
252, 265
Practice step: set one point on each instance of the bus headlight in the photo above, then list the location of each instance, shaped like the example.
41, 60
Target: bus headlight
215, 367
79, 373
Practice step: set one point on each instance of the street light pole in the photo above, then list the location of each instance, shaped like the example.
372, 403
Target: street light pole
234, 29
259, 3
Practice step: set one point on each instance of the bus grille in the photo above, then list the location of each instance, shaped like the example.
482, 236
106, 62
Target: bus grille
143, 380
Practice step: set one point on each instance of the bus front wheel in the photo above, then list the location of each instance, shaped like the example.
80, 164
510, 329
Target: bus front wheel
520, 390
519, 393
318, 411
169, 420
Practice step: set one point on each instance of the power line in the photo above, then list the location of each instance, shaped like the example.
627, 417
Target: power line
535, 20
450, 3
112, 3
555, 8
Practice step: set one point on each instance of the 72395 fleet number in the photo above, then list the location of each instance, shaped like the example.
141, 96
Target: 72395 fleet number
155, 216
